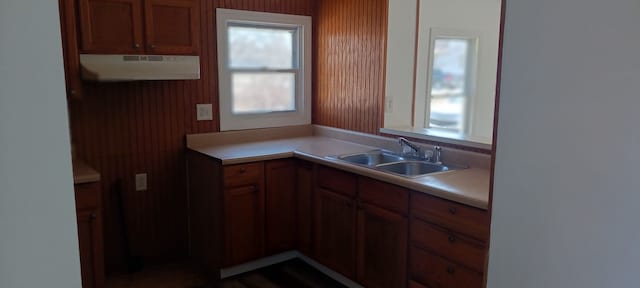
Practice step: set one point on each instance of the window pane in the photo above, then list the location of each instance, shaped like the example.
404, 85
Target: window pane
253, 47
449, 83
263, 92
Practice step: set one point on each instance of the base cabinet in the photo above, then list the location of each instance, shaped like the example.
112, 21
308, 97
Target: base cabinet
259, 210
375, 233
90, 239
335, 231
280, 227
448, 243
244, 198
382, 248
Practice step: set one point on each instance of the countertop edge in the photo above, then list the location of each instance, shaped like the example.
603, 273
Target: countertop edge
363, 171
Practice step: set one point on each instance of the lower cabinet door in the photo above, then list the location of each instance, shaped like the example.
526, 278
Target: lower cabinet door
91, 254
382, 248
437, 272
334, 237
244, 224
281, 206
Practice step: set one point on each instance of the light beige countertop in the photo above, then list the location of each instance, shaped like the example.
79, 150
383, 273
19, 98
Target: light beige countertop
82, 173
468, 186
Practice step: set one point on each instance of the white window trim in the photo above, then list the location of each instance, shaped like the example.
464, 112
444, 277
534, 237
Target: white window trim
302, 114
425, 70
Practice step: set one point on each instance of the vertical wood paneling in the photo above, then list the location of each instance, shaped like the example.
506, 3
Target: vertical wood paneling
139, 127
349, 64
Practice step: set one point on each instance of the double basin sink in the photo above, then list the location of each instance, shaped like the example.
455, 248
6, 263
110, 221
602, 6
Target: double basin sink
390, 162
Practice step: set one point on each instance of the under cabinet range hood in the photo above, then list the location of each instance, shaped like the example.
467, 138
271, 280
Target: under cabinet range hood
111, 68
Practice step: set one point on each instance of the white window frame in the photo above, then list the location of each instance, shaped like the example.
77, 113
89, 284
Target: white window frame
422, 109
302, 113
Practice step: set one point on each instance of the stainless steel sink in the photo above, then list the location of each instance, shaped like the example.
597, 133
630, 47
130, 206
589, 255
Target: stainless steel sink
413, 168
371, 158
390, 162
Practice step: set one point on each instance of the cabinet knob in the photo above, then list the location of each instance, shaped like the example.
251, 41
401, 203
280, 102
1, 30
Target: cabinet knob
243, 170
136, 45
452, 210
93, 216
452, 238
72, 92
451, 269
152, 46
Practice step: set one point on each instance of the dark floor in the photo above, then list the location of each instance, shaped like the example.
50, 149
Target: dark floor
290, 274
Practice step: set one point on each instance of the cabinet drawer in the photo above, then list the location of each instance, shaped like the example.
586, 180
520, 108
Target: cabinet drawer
384, 195
243, 174
462, 249
87, 195
465, 219
434, 271
337, 181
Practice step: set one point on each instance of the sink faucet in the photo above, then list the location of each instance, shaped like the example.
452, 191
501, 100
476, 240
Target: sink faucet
405, 143
434, 155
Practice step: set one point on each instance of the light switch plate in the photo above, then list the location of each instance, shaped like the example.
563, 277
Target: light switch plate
204, 112
141, 182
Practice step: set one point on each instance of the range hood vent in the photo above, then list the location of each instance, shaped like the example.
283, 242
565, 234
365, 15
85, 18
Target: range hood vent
97, 67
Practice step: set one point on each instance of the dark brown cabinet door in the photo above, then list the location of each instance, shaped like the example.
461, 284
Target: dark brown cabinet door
70, 48
335, 219
382, 247
171, 26
91, 254
111, 26
244, 224
281, 205
304, 188
434, 271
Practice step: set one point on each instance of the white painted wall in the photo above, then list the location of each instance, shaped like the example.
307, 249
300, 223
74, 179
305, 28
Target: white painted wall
479, 18
401, 39
567, 181
475, 18
38, 234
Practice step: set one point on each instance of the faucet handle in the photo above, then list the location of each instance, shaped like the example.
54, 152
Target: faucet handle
428, 155
437, 154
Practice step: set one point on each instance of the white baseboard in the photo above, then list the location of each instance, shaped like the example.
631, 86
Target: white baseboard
278, 258
257, 264
332, 274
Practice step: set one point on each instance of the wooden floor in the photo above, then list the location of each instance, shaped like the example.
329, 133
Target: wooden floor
290, 274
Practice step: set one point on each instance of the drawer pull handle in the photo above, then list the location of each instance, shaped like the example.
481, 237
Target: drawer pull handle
452, 238
452, 210
243, 170
451, 269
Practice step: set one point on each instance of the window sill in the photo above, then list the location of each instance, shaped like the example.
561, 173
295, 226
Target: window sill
439, 136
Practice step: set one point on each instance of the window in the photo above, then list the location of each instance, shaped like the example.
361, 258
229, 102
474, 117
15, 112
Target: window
264, 62
451, 82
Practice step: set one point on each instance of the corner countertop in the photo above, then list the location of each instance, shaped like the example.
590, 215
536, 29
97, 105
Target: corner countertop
82, 173
467, 186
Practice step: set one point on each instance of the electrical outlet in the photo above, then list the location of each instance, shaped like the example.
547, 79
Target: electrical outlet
141, 182
204, 112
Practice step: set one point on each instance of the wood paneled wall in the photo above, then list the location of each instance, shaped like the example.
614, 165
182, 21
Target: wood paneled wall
349, 61
126, 128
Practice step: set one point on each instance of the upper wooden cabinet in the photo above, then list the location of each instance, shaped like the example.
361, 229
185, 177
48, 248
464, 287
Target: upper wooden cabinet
171, 26
139, 27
